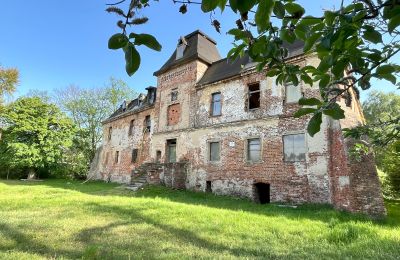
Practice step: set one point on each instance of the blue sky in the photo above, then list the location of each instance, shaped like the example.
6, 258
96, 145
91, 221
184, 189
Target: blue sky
58, 43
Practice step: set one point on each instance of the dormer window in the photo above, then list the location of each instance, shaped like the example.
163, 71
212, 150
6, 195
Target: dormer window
181, 48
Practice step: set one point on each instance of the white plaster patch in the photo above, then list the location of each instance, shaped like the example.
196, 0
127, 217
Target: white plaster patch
344, 181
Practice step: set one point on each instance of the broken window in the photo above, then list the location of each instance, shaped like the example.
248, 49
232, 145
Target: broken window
253, 150
294, 147
109, 133
171, 150
174, 94
131, 127
147, 124
181, 48
174, 112
134, 155
254, 96
116, 156
214, 151
293, 93
216, 104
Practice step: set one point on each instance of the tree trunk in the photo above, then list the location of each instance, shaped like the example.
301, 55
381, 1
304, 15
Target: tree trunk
8, 173
31, 174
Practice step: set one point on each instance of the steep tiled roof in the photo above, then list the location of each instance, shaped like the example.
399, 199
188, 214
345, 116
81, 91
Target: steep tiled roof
199, 47
226, 68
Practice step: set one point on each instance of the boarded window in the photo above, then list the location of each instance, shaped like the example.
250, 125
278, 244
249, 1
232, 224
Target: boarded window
216, 104
116, 156
130, 132
147, 124
254, 96
174, 94
214, 151
294, 147
174, 112
171, 150
109, 133
134, 155
253, 150
293, 93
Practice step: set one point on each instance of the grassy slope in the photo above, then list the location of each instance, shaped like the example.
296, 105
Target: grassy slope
70, 220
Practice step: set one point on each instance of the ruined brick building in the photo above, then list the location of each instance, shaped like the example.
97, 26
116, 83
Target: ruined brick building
220, 126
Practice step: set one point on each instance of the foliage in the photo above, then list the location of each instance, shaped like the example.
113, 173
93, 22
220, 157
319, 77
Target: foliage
88, 108
381, 113
35, 136
9, 79
102, 221
354, 43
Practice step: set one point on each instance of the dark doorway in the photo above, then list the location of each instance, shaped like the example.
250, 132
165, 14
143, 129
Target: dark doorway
208, 187
263, 192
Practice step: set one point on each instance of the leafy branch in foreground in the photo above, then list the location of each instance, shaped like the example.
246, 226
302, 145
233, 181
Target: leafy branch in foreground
355, 43
129, 43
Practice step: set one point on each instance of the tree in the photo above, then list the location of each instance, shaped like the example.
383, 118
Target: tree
355, 43
8, 81
89, 107
35, 136
379, 108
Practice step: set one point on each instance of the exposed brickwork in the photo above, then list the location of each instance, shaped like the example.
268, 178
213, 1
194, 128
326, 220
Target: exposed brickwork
326, 174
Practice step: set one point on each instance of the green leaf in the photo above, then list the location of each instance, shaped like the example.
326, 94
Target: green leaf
370, 34
310, 20
242, 5
393, 23
294, 9
306, 79
147, 40
325, 63
310, 102
310, 41
335, 111
208, 5
132, 59
314, 126
385, 69
263, 14
222, 4
388, 77
304, 111
287, 36
279, 9
301, 31
117, 41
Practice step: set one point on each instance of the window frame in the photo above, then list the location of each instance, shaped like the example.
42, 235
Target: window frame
131, 125
116, 159
209, 150
174, 95
305, 146
250, 92
147, 124
136, 153
299, 87
247, 149
109, 133
168, 154
213, 102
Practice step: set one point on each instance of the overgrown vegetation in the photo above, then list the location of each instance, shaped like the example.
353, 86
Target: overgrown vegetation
56, 136
69, 220
379, 108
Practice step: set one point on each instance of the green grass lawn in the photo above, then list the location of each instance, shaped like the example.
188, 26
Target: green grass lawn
67, 220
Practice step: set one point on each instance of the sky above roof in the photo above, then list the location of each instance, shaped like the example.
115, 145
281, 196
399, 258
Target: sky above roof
58, 43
